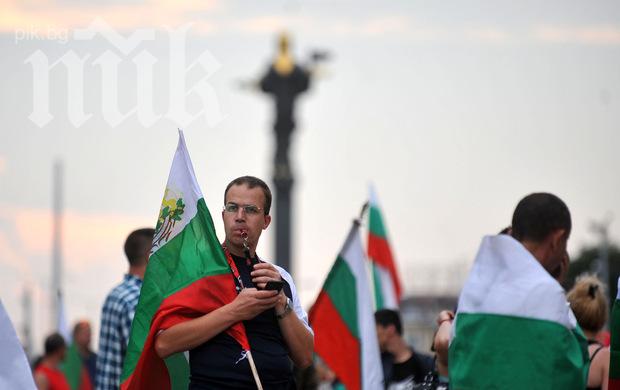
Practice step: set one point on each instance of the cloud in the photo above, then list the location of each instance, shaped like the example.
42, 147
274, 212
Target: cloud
488, 35
2, 164
48, 15
267, 24
585, 35
88, 238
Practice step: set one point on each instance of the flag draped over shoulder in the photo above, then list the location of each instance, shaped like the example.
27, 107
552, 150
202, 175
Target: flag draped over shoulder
342, 317
513, 328
187, 276
15, 371
387, 288
614, 347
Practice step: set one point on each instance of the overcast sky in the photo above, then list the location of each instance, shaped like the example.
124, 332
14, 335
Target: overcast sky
453, 110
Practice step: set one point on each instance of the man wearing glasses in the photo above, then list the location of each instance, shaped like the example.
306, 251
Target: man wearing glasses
276, 324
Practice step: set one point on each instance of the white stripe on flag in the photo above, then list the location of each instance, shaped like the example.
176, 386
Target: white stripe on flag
506, 279
387, 288
372, 371
15, 371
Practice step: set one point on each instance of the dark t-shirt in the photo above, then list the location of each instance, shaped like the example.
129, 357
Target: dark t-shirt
217, 364
405, 375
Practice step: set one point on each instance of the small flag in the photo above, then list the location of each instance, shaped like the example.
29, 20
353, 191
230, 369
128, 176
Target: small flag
342, 317
386, 283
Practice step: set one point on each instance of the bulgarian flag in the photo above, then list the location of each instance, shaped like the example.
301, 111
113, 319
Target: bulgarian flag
514, 328
342, 317
614, 347
187, 276
387, 290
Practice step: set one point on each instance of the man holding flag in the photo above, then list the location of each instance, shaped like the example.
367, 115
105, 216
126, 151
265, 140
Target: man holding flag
273, 333
200, 295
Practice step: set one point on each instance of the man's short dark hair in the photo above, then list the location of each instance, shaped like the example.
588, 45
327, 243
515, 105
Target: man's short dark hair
138, 245
53, 343
386, 317
538, 215
252, 182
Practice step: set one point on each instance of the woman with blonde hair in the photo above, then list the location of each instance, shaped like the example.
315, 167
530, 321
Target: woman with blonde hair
588, 302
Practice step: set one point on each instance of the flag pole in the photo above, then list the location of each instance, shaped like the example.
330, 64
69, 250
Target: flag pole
363, 210
259, 385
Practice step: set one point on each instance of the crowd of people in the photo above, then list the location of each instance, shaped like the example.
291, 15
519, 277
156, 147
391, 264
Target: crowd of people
465, 348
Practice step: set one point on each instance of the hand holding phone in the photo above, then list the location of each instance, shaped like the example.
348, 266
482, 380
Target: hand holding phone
274, 285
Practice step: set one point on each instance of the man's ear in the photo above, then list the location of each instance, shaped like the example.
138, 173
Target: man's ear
267, 221
557, 238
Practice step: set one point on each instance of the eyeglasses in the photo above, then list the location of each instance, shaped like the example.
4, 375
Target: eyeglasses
248, 209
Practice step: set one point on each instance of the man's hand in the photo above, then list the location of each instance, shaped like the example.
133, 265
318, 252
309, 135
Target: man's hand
251, 302
281, 302
264, 272
189, 334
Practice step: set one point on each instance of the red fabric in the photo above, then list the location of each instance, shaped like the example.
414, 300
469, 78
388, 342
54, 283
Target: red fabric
55, 378
379, 251
85, 383
334, 342
199, 298
614, 384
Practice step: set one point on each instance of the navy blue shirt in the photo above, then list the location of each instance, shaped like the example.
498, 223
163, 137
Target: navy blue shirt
217, 364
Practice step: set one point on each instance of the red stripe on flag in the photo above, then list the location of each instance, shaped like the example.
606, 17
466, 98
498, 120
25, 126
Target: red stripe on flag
379, 251
334, 342
614, 384
199, 298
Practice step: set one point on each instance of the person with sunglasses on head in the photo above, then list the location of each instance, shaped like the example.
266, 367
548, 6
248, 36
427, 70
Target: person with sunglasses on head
267, 303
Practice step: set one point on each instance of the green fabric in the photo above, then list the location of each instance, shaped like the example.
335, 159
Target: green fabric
72, 367
178, 364
493, 351
189, 256
375, 222
340, 286
376, 278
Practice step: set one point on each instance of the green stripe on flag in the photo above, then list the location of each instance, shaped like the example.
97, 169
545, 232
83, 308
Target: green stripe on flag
195, 243
189, 256
178, 364
508, 352
340, 286
375, 222
376, 278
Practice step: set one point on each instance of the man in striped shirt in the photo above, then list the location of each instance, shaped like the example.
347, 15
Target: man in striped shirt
118, 311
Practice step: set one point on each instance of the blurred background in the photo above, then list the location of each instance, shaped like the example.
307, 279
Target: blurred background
453, 111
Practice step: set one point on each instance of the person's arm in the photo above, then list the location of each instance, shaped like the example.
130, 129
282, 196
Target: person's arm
192, 333
442, 340
41, 381
298, 338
